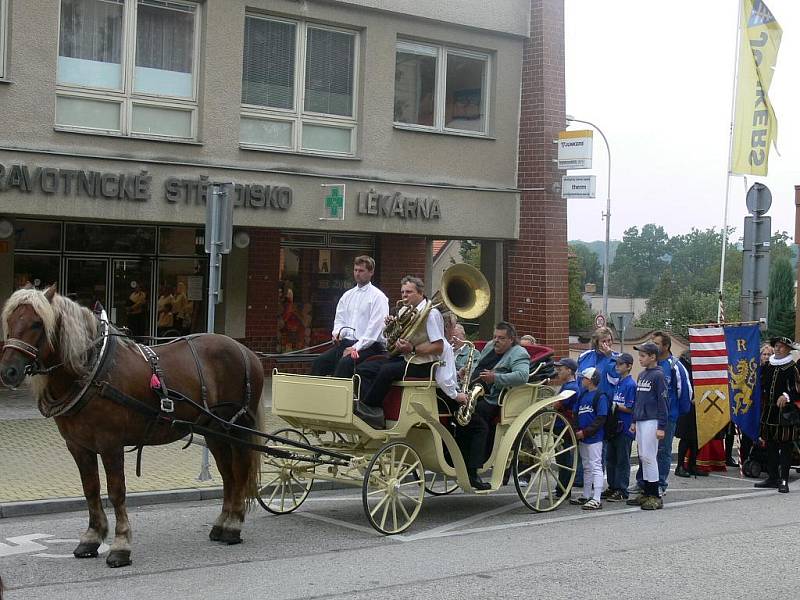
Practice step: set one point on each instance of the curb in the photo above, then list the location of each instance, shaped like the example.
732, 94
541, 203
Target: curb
28, 508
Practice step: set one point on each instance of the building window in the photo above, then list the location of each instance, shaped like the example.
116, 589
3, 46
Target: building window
128, 67
298, 87
443, 89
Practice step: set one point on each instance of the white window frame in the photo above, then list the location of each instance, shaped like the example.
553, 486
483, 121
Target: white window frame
3, 37
126, 96
298, 115
441, 53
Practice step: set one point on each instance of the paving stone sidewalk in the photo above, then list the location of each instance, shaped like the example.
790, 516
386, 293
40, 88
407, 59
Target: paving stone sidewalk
35, 464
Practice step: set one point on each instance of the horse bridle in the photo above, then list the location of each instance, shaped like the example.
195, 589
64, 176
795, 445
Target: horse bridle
35, 366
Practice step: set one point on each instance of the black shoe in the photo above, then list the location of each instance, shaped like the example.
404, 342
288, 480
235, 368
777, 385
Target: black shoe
768, 483
371, 415
476, 482
681, 472
783, 486
731, 463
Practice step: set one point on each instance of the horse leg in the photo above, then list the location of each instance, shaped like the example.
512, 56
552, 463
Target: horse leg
114, 464
90, 480
246, 464
222, 456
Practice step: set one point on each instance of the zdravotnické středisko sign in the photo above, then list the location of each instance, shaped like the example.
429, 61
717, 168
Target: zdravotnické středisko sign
134, 187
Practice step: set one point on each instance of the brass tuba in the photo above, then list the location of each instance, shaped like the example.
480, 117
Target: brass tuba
464, 291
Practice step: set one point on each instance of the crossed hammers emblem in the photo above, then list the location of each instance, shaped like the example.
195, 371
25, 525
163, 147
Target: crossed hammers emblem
713, 396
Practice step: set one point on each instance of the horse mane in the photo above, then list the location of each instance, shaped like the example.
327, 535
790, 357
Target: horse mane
70, 328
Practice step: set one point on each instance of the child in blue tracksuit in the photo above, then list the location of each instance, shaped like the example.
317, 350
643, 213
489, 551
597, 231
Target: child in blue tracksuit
565, 375
650, 416
618, 445
591, 409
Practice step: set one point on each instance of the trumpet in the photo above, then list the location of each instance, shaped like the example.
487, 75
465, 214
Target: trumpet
466, 411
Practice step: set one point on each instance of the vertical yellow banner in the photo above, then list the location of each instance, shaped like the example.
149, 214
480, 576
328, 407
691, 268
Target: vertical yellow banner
755, 125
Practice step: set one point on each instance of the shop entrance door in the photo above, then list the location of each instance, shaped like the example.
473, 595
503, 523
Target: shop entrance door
132, 294
87, 280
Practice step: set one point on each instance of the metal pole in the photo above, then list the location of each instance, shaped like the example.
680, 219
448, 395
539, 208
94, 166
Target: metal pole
607, 214
213, 275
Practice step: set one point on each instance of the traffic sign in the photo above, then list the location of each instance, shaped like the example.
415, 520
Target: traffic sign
758, 199
578, 186
575, 149
599, 320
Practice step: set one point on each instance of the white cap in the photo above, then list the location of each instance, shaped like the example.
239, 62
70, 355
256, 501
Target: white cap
588, 372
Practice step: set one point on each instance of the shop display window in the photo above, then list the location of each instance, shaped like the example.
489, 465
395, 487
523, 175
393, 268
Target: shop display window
311, 282
181, 241
181, 300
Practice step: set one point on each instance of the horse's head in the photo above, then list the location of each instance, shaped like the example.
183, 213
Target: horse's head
28, 321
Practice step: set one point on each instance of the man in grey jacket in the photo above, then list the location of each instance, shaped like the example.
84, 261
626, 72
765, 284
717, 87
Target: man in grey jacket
501, 365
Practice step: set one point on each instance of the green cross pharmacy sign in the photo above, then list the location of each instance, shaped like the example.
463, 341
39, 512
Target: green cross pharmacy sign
333, 196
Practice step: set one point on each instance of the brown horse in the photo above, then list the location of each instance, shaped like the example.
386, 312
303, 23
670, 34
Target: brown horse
81, 368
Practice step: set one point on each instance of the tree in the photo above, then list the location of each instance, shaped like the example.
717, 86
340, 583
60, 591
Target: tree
580, 315
781, 298
640, 260
471, 253
781, 246
695, 260
589, 263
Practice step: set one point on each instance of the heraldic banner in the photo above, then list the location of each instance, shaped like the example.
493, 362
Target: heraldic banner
725, 373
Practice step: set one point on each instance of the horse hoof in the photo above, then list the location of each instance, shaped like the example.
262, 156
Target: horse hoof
118, 558
231, 537
216, 533
86, 550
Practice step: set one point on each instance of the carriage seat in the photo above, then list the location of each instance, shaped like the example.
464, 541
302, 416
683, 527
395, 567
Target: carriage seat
393, 399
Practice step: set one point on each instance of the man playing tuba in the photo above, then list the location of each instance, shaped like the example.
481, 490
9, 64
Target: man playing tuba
421, 345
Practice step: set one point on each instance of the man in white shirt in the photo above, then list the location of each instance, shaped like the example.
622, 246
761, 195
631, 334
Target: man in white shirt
358, 325
423, 348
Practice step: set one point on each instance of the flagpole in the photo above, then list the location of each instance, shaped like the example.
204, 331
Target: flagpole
730, 158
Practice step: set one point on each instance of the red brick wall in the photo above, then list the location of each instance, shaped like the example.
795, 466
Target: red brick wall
536, 265
398, 256
261, 325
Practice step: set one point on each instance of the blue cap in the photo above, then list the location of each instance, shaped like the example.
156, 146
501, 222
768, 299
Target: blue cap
567, 362
625, 358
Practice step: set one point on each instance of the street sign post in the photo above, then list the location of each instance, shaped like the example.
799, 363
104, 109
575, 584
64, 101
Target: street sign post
219, 236
621, 321
756, 255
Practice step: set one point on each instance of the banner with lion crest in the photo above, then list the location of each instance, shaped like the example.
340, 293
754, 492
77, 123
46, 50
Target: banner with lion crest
725, 363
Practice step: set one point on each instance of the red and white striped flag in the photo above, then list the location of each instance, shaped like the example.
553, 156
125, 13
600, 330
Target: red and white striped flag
710, 376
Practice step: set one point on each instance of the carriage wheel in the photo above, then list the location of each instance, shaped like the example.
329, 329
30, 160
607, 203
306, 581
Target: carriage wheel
437, 484
283, 488
545, 448
394, 486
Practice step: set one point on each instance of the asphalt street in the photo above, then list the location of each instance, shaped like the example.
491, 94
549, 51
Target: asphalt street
715, 536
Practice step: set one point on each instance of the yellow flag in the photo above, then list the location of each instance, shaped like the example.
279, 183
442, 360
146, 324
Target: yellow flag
755, 126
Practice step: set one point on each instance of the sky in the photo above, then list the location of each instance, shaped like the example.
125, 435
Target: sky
657, 78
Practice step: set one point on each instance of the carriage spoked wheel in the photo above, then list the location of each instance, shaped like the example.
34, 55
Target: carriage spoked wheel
283, 487
393, 489
545, 447
438, 484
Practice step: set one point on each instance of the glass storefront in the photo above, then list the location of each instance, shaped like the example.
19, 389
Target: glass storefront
150, 279
315, 270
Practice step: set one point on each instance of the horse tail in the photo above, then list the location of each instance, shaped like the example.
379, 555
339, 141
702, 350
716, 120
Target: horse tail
253, 482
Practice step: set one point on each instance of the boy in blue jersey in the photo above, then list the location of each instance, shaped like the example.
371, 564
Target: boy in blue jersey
650, 416
591, 408
565, 375
618, 457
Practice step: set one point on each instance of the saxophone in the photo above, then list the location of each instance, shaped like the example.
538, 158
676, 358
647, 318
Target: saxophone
465, 411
